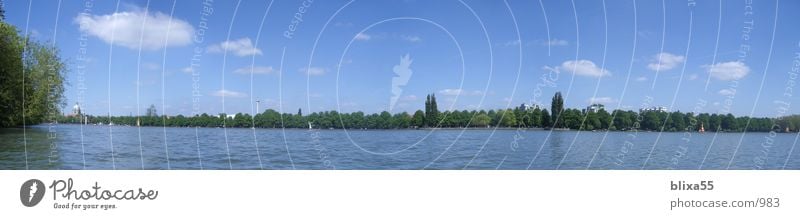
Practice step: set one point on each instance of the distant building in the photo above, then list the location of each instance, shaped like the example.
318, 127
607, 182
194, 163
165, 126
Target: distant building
594, 108
529, 107
76, 111
654, 109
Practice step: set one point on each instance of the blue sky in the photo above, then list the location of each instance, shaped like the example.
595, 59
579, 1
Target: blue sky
473, 54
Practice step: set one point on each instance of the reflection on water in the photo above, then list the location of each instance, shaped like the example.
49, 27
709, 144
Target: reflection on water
90, 147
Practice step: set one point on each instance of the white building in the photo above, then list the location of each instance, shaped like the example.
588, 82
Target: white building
594, 108
529, 107
76, 110
654, 109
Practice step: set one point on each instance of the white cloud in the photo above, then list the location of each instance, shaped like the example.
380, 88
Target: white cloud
409, 98
692, 77
555, 42
150, 66
35, 33
584, 68
240, 47
255, 70
642, 78
727, 92
602, 100
343, 24
727, 71
665, 61
412, 39
127, 29
513, 43
362, 37
645, 34
450, 92
187, 69
455, 92
313, 71
228, 93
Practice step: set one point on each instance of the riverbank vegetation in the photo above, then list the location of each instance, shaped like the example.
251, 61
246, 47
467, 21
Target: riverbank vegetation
519, 117
31, 79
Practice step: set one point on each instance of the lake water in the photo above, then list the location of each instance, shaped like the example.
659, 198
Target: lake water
118, 147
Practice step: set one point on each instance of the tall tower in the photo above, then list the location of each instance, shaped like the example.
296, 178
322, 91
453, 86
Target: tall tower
76, 110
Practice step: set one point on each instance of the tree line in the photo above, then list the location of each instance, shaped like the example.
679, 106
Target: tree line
431, 117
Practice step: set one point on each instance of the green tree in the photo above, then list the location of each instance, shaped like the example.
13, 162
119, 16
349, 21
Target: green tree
31, 73
592, 121
241, 120
481, 120
677, 121
434, 117
546, 118
556, 108
623, 120
651, 121
571, 118
704, 120
44, 82
728, 123
11, 76
715, 123
401, 120
385, 120
536, 118
507, 118
604, 119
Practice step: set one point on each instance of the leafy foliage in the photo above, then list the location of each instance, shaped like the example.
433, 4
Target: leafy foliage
557, 107
31, 79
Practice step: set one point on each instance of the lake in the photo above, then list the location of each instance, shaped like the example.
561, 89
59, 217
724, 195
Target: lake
119, 147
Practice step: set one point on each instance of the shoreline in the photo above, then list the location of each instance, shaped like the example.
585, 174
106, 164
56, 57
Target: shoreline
410, 129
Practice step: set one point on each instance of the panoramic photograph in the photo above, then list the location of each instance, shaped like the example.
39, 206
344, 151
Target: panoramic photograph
399, 85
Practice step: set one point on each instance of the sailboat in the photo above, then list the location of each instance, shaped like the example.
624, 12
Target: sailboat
702, 130
309, 126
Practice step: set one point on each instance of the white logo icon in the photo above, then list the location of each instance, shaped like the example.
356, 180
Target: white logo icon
402, 75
